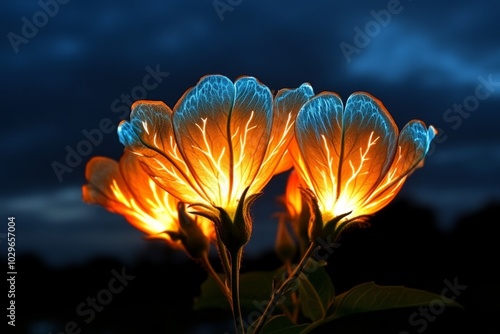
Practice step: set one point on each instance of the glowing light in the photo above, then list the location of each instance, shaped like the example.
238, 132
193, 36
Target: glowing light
125, 188
352, 158
293, 197
221, 138
283, 138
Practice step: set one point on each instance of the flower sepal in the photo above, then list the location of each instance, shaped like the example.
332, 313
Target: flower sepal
285, 247
191, 235
334, 226
315, 228
236, 232
175, 236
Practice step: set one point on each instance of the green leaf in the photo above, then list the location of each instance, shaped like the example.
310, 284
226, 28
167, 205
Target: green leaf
211, 296
369, 297
255, 291
316, 293
281, 324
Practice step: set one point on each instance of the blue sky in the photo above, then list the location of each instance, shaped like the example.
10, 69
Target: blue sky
435, 61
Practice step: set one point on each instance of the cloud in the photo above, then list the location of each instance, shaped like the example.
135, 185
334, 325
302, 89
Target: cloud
476, 158
59, 227
20, 140
51, 207
436, 47
400, 53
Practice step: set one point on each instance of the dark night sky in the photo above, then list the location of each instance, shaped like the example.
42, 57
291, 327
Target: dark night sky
423, 61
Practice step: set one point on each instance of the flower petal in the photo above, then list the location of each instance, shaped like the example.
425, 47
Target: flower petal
200, 120
149, 196
146, 118
287, 104
100, 173
126, 189
293, 196
413, 144
250, 128
149, 134
223, 130
286, 162
318, 147
368, 144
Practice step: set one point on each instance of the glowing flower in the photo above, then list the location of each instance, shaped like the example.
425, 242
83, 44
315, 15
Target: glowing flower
297, 211
293, 196
126, 189
284, 246
222, 140
353, 159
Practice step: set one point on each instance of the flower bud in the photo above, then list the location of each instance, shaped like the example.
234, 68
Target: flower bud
192, 237
235, 233
285, 246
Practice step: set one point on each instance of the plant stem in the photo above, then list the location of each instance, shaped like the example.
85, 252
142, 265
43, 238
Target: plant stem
224, 259
285, 287
235, 290
208, 266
